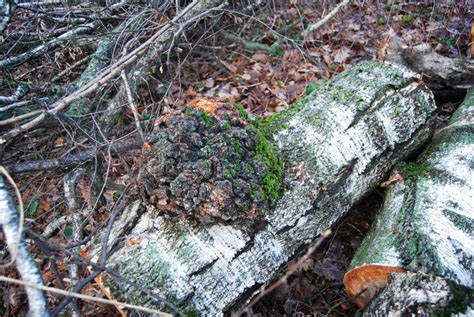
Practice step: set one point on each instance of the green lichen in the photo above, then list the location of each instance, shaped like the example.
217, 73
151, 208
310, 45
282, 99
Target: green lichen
343, 95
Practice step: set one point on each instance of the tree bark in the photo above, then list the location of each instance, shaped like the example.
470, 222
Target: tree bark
410, 294
335, 146
427, 220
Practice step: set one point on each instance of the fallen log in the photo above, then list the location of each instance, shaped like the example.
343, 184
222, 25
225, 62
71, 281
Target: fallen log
440, 73
230, 203
427, 220
419, 294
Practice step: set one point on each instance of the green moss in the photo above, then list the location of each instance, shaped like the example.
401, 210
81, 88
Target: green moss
242, 112
207, 164
462, 297
191, 312
311, 88
226, 125
414, 170
265, 151
406, 19
381, 20
342, 95
237, 146
188, 112
279, 120
206, 117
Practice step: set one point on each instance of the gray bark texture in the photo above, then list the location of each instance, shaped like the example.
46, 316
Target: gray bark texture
419, 294
439, 72
427, 220
334, 146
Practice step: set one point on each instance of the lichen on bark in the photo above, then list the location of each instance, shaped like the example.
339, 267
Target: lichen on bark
334, 150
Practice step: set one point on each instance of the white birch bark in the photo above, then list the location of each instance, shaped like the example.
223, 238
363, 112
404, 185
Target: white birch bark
24, 262
337, 144
426, 223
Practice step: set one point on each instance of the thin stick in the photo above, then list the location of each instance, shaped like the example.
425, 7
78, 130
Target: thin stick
314, 26
132, 104
264, 291
82, 296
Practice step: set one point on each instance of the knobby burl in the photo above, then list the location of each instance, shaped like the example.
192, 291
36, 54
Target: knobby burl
209, 169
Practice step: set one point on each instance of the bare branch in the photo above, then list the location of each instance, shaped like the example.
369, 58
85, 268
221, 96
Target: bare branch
25, 264
314, 26
80, 296
108, 73
75, 159
36, 52
7, 7
131, 103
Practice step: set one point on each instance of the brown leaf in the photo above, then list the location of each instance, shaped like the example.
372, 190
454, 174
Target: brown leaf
395, 178
260, 57
342, 54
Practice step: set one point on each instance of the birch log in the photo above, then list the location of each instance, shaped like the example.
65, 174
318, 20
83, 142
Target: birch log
334, 146
427, 220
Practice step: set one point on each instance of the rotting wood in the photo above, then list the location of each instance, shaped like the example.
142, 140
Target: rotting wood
427, 220
336, 145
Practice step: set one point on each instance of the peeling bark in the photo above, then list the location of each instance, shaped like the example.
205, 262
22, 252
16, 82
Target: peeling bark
336, 145
426, 223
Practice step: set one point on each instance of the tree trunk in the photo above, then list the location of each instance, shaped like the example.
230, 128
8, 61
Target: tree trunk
427, 220
317, 159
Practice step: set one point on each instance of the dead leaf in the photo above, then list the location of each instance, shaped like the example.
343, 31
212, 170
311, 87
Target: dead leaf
146, 147
342, 54
260, 57
207, 105
209, 83
233, 69
395, 178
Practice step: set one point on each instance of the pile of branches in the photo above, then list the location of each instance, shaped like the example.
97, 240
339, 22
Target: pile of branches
80, 67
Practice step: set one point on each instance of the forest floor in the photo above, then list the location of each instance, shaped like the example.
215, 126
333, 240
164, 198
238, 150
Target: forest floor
265, 65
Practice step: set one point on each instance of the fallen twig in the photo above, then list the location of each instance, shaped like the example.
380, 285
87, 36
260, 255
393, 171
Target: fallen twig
78, 158
101, 79
37, 51
80, 296
314, 26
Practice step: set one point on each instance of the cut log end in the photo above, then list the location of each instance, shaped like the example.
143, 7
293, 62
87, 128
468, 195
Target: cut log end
364, 282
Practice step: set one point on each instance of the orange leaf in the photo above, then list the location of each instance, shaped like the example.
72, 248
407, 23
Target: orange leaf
44, 205
84, 252
205, 104
146, 147
132, 241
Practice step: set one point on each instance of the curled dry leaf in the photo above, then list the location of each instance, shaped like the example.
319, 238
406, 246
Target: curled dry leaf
395, 178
